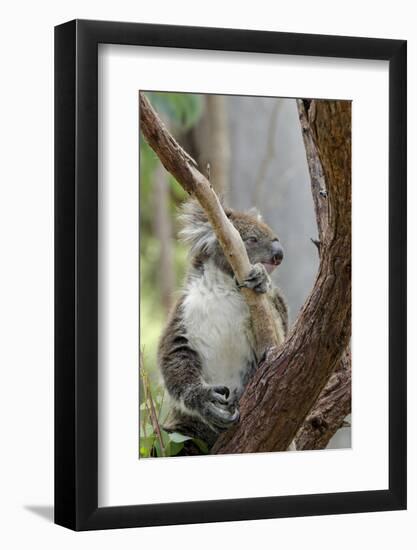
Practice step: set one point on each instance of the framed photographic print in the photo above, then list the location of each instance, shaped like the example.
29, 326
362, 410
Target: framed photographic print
230, 252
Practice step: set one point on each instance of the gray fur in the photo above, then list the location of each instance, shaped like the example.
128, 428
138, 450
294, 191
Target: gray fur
206, 352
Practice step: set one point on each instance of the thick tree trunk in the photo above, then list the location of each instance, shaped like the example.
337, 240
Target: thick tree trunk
334, 402
288, 383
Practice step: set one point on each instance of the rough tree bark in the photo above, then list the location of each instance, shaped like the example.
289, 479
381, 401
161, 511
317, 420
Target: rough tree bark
183, 168
330, 410
290, 379
334, 402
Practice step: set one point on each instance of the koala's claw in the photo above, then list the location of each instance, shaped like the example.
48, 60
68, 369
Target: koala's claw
222, 390
221, 407
217, 397
258, 279
221, 417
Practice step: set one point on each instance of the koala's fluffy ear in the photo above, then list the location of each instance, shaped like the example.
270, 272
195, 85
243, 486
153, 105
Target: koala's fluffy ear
196, 231
228, 211
255, 213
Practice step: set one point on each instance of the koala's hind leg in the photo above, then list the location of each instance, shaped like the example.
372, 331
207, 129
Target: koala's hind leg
182, 371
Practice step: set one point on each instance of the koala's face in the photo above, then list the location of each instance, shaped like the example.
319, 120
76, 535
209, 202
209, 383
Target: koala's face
261, 243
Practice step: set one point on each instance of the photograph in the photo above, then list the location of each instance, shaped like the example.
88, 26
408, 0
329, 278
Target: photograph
208, 267
204, 341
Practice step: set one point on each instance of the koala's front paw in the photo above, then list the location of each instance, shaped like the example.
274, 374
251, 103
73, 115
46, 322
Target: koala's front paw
219, 407
258, 279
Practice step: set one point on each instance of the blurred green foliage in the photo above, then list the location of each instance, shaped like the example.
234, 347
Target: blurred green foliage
180, 112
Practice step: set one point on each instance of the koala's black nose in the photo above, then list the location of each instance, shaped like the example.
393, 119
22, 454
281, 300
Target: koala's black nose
277, 252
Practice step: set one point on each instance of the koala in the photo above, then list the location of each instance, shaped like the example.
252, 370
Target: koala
206, 352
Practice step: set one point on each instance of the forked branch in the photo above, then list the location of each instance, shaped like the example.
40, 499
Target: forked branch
183, 168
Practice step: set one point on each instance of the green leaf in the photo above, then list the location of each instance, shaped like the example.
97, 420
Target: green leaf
202, 445
158, 449
175, 448
178, 438
145, 446
144, 452
166, 438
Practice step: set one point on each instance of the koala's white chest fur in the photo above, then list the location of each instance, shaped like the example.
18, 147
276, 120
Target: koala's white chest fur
216, 319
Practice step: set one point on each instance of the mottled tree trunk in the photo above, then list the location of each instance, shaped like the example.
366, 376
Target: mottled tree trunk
288, 383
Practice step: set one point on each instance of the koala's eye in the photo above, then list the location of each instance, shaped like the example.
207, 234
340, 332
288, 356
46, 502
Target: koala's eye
251, 240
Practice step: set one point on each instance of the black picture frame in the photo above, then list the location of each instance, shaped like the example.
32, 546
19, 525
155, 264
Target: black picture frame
76, 272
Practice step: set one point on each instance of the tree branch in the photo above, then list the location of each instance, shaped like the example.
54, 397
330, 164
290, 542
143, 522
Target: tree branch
330, 410
183, 168
334, 403
318, 183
